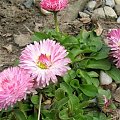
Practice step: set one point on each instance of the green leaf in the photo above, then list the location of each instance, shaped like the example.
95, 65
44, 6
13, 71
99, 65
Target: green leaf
114, 73
32, 117
75, 83
16, 62
59, 104
85, 75
103, 53
66, 87
103, 64
35, 99
102, 92
59, 94
93, 74
24, 107
89, 90
73, 102
39, 36
19, 115
95, 82
69, 76
63, 115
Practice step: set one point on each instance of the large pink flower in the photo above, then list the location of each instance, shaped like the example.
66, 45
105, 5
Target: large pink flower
53, 5
44, 61
114, 44
14, 84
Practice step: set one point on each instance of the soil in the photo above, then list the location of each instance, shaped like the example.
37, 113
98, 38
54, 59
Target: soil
15, 19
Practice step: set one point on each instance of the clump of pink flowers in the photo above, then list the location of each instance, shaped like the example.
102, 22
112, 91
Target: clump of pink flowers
15, 83
45, 61
53, 5
114, 44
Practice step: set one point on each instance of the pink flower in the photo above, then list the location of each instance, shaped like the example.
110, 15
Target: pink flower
114, 44
14, 84
44, 61
53, 5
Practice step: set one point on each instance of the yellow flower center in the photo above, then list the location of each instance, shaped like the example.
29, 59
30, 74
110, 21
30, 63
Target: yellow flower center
44, 61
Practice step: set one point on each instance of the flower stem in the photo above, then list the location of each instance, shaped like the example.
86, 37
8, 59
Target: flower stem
56, 22
40, 99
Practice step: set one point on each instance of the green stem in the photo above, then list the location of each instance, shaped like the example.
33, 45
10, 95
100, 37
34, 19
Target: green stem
40, 99
56, 22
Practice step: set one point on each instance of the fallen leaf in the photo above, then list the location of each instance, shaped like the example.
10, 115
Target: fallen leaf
99, 29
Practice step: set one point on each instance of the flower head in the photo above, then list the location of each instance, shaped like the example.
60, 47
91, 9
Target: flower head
53, 5
44, 61
14, 84
114, 44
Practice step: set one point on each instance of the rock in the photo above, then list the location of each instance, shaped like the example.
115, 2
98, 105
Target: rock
71, 12
117, 2
109, 12
117, 9
110, 3
99, 13
117, 95
83, 15
28, 3
105, 79
91, 5
118, 19
85, 20
22, 39
100, 3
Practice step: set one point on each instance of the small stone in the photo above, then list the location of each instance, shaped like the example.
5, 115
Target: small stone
105, 79
109, 12
110, 3
117, 2
91, 5
117, 95
117, 9
22, 39
99, 13
28, 3
83, 15
118, 19
85, 20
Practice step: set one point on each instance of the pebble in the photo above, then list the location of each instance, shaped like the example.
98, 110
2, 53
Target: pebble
83, 15
118, 19
91, 5
109, 12
117, 2
99, 13
110, 3
105, 79
117, 9
22, 39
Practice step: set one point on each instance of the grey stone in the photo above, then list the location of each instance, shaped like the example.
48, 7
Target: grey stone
22, 39
118, 19
117, 2
91, 5
99, 13
117, 9
83, 15
109, 12
71, 12
110, 3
